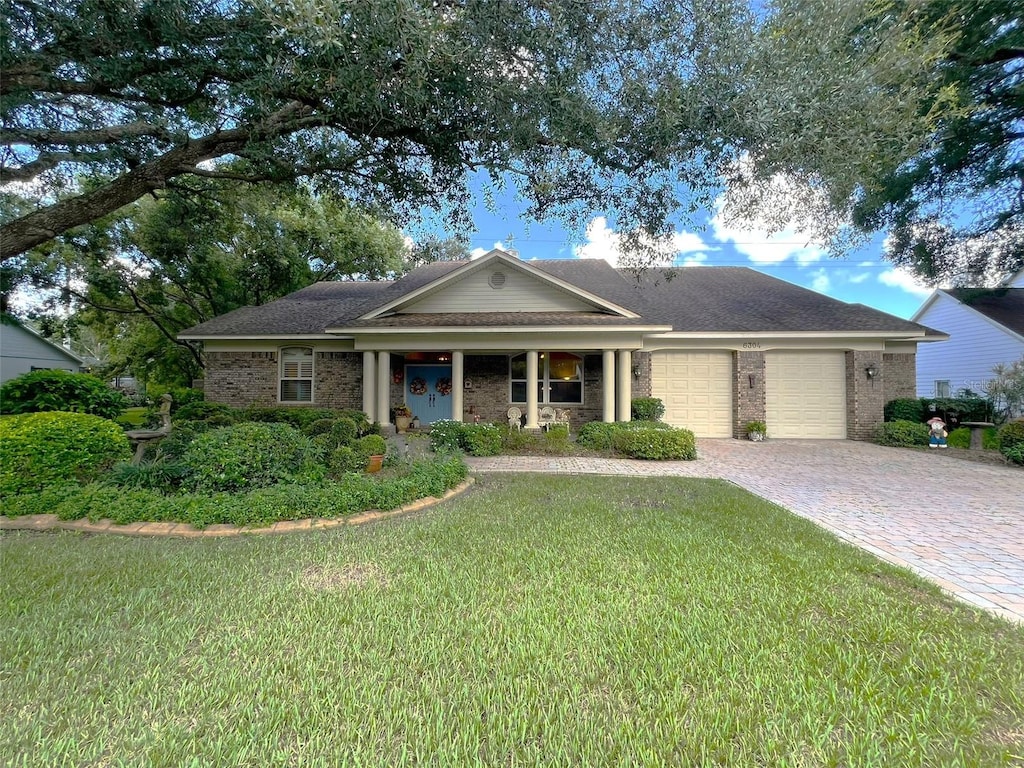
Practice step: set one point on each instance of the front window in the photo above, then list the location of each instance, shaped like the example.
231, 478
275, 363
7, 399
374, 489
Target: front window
296, 375
559, 374
942, 388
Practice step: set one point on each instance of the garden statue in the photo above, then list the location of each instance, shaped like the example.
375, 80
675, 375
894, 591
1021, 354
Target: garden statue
936, 433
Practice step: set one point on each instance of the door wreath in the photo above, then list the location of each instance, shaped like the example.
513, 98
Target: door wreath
444, 386
418, 386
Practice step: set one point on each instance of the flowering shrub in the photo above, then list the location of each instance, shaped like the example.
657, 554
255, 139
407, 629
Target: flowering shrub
474, 439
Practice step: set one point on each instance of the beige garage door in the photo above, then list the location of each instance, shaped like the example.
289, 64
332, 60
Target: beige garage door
805, 394
696, 388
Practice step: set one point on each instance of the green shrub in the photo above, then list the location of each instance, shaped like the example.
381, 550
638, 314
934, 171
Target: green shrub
344, 431
646, 409
371, 445
39, 449
448, 435
482, 439
201, 410
343, 460
1014, 453
61, 391
959, 438
902, 433
1011, 434
648, 443
319, 427
166, 476
250, 455
597, 435
348, 495
904, 409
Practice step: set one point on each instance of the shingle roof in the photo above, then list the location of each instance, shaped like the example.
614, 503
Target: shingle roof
307, 311
725, 299
1004, 305
693, 299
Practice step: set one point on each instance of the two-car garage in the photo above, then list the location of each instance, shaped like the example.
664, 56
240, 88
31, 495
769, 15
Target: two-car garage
805, 392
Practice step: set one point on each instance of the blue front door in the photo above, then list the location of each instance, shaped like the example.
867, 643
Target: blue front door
428, 392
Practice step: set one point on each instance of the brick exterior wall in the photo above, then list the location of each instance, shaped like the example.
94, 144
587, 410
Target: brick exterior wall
642, 385
899, 375
865, 398
748, 402
241, 379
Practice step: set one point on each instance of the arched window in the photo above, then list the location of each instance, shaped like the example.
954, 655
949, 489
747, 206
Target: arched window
559, 378
296, 375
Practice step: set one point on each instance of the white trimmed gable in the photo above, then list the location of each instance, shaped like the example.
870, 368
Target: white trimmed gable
498, 282
976, 344
1016, 281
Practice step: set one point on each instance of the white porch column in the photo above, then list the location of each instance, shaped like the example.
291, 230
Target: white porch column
608, 384
623, 389
458, 374
369, 385
384, 388
531, 389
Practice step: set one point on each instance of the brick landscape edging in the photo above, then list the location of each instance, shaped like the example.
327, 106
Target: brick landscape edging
187, 531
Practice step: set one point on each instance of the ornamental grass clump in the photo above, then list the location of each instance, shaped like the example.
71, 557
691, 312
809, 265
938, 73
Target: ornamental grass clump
52, 448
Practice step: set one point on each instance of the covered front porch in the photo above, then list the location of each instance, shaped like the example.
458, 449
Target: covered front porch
482, 384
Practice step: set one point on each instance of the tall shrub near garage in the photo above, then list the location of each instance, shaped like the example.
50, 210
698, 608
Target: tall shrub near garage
41, 449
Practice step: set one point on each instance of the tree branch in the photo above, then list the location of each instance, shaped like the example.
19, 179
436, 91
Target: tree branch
107, 135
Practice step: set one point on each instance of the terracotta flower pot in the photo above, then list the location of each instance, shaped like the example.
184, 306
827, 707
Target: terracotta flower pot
375, 462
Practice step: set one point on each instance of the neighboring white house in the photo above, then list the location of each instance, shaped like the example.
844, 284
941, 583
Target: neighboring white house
985, 327
23, 350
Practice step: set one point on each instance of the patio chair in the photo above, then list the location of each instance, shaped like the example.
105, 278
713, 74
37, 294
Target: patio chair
515, 418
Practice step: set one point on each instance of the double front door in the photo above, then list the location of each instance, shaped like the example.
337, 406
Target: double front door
428, 391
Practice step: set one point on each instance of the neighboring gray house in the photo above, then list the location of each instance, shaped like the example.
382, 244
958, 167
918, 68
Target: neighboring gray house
720, 346
23, 350
985, 327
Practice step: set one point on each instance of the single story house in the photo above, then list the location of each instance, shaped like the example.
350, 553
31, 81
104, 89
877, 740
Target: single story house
721, 346
985, 328
23, 350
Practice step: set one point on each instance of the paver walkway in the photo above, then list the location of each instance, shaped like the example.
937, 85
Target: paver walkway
959, 523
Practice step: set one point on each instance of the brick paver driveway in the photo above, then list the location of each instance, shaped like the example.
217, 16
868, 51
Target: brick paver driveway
959, 523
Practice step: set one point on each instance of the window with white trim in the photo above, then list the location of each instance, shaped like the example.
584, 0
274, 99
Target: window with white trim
296, 375
559, 378
942, 387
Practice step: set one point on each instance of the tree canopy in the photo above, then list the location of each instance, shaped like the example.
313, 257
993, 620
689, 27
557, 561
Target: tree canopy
597, 104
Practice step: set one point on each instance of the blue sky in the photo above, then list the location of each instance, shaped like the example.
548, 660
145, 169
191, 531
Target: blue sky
861, 277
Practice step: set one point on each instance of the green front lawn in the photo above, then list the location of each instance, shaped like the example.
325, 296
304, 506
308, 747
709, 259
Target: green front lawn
532, 621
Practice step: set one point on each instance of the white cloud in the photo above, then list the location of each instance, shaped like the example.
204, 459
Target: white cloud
476, 253
760, 247
866, 264
858, 279
898, 278
603, 242
821, 282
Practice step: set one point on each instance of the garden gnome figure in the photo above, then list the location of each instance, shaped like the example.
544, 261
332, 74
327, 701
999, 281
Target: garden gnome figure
937, 433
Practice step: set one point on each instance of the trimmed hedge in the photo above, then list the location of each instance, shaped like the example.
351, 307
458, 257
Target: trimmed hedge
40, 449
351, 494
902, 433
961, 438
952, 410
646, 408
646, 442
53, 390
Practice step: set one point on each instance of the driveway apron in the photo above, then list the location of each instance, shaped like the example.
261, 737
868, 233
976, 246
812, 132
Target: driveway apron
958, 523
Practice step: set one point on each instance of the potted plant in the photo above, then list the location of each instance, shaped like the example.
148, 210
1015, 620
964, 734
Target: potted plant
373, 447
756, 431
403, 417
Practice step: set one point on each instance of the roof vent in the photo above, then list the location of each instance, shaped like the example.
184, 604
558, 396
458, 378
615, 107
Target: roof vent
496, 280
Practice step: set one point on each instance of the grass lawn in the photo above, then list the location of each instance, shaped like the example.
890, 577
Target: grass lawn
533, 621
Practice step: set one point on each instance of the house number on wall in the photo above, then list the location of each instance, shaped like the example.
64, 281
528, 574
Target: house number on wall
751, 344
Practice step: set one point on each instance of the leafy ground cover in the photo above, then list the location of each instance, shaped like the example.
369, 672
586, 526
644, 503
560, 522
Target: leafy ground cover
532, 621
